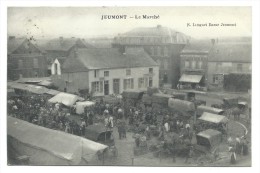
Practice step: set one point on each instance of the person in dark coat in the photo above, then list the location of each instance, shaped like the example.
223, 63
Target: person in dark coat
233, 157
245, 147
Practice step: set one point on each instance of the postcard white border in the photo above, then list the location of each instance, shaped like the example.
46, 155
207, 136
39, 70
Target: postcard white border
255, 88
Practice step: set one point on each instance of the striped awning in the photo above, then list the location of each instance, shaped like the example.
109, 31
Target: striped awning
190, 78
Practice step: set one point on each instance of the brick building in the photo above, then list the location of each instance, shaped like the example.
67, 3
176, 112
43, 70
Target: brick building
229, 57
162, 44
25, 59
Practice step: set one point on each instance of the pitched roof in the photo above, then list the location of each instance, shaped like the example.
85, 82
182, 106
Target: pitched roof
158, 31
15, 43
64, 44
84, 59
231, 52
197, 46
61, 59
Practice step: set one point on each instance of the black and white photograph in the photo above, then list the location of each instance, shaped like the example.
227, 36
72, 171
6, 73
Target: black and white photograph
153, 86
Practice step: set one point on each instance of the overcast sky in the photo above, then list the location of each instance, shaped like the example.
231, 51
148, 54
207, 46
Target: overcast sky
43, 22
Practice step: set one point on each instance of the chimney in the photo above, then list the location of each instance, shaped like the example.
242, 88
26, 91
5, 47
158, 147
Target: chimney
213, 42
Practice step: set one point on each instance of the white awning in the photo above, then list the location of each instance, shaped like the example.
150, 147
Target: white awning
190, 78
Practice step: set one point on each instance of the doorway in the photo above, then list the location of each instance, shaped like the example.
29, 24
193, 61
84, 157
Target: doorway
116, 86
106, 87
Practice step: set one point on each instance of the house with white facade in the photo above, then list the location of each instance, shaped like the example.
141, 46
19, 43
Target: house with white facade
105, 71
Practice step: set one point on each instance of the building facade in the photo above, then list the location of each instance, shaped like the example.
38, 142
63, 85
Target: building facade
60, 48
194, 69
227, 58
162, 44
108, 71
25, 60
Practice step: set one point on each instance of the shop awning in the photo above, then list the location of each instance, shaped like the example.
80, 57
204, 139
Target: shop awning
190, 78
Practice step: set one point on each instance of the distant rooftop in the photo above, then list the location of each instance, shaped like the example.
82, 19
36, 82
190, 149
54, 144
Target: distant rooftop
96, 58
64, 44
146, 35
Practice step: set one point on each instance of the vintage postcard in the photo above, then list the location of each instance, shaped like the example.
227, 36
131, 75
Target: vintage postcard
153, 86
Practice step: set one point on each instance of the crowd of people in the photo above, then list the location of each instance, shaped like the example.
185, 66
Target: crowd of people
144, 121
35, 109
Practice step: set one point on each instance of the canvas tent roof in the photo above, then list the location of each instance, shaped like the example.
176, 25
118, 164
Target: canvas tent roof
65, 98
202, 108
80, 106
65, 146
190, 78
181, 105
213, 138
135, 94
52, 92
214, 118
30, 88
209, 133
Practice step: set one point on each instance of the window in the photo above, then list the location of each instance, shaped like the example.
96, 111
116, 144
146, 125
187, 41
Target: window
106, 73
141, 83
20, 64
101, 86
193, 64
150, 81
197, 64
97, 86
128, 83
150, 70
128, 72
35, 63
187, 64
200, 65
165, 51
239, 67
96, 73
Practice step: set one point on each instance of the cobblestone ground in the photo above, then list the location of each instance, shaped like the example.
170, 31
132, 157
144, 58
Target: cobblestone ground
125, 153
127, 158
